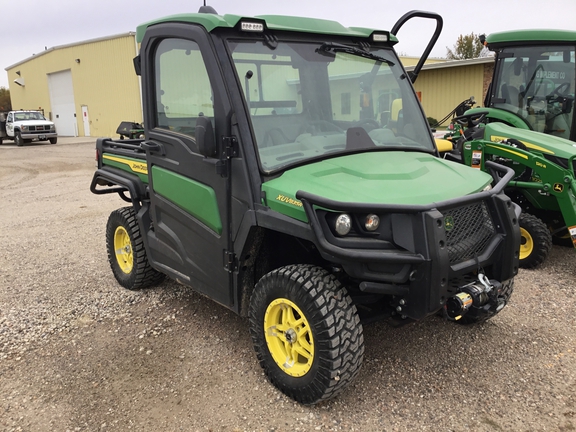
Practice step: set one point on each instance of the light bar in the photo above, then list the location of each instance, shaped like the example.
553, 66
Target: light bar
251, 26
380, 37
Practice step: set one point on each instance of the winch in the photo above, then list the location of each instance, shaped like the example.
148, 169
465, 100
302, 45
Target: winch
477, 298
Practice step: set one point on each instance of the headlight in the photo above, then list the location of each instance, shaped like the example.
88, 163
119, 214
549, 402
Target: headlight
487, 188
24, 128
343, 224
372, 222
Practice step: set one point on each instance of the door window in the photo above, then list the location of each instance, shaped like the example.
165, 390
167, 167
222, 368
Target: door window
183, 92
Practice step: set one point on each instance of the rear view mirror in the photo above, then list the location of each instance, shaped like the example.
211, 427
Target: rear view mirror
205, 137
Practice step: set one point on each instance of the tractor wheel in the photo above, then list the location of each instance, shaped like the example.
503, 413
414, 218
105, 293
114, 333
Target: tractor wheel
126, 251
18, 140
535, 241
306, 332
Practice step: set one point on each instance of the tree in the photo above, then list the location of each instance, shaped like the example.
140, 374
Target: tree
5, 104
466, 47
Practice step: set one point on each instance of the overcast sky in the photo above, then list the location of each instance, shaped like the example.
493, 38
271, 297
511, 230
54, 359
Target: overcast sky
28, 27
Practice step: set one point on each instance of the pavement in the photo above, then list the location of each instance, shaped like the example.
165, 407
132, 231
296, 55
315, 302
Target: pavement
62, 140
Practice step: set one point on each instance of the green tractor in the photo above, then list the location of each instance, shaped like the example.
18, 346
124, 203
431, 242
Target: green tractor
528, 124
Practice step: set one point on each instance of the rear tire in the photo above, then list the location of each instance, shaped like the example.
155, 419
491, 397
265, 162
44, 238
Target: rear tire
535, 241
306, 332
126, 251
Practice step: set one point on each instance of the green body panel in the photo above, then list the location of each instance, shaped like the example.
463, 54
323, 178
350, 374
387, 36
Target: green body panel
536, 36
390, 177
535, 141
131, 165
196, 198
273, 22
549, 186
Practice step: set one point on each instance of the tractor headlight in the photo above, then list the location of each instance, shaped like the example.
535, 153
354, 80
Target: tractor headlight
372, 222
487, 188
343, 224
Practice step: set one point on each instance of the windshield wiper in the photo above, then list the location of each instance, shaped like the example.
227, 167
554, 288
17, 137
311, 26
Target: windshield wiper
336, 47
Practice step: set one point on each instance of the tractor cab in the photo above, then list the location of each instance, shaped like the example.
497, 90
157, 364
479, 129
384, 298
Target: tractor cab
533, 85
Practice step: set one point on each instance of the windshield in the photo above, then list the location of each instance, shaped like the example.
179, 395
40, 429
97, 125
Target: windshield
309, 100
28, 115
537, 84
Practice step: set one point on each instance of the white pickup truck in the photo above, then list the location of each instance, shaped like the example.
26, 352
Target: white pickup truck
25, 126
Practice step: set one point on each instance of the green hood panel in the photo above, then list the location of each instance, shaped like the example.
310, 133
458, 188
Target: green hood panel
535, 141
375, 178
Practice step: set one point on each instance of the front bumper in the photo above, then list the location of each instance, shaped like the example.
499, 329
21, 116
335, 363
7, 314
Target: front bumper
41, 136
422, 263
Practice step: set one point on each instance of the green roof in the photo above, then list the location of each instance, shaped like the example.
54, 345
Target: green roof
273, 22
536, 36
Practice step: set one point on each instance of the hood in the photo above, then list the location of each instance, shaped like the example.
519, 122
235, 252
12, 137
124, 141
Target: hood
375, 178
535, 141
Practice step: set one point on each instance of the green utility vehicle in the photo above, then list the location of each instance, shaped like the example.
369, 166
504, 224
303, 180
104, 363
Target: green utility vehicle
530, 106
273, 179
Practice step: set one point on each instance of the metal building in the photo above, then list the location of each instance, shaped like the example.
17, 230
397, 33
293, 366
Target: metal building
85, 88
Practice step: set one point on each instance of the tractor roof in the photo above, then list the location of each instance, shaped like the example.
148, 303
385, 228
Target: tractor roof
271, 22
522, 37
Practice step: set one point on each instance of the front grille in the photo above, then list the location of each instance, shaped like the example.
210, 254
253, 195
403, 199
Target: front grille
41, 128
469, 229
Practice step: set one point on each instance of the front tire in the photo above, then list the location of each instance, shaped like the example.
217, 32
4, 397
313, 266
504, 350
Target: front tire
53, 140
126, 251
306, 332
535, 241
18, 140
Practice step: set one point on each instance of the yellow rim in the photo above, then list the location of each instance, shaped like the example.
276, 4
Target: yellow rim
289, 337
123, 249
526, 244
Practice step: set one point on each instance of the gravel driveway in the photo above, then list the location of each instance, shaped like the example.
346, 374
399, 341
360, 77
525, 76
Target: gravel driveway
78, 353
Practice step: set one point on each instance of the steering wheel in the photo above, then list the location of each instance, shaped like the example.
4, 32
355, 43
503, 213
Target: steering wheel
318, 126
559, 91
471, 120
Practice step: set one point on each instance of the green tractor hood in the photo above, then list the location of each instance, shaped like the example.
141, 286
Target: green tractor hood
535, 141
391, 177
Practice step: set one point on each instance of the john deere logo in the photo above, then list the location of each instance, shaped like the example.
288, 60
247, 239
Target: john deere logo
558, 187
448, 223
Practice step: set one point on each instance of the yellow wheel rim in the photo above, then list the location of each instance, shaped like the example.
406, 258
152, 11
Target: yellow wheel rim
526, 244
123, 250
289, 337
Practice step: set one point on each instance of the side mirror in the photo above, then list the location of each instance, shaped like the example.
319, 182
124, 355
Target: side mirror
205, 137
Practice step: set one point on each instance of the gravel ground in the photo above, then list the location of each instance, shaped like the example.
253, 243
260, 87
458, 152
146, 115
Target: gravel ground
78, 353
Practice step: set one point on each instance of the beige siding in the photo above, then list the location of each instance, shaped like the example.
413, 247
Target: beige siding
443, 89
103, 79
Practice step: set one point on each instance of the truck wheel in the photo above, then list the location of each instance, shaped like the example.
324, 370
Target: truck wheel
18, 139
126, 251
306, 332
53, 140
535, 241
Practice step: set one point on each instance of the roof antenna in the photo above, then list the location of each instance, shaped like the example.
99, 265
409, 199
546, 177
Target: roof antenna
207, 9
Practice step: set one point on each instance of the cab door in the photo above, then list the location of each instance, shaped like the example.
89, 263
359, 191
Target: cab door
181, 84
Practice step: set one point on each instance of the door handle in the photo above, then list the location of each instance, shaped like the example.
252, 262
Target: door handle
151, 146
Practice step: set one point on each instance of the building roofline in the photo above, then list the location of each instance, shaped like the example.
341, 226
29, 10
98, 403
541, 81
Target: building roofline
455, 63
73, 44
